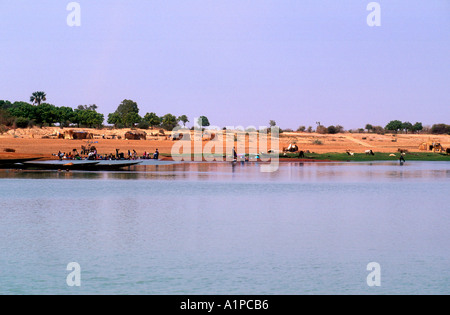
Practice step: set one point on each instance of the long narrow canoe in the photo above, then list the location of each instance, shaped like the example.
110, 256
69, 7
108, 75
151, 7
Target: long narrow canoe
78, 165
105, 166
59, 166
14, 161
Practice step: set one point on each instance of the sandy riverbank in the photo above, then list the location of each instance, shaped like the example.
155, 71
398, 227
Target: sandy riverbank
41, 142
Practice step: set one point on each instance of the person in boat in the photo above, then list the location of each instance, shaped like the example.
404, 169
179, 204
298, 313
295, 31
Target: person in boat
156, 155
402, 159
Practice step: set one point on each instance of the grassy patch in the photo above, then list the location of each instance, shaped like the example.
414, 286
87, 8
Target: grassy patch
361, 157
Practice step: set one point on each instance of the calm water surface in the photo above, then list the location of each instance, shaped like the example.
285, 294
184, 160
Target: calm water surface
222, 229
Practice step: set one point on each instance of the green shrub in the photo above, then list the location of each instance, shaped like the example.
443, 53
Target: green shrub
440, 129
332, 130
317, 141
143, 124
22, 122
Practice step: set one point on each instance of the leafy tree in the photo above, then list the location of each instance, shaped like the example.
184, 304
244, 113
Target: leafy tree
65, 115
22, 122
183, 119
272, 123
440, 129
114, 119
5, 104
87, 116
5, 118
203, 121
131, 119
310, 129
95, 119
369, 127
378, 129
25, 114
169, 122
417, 127
22, 109
38, 97
394, 125
143, 124
322, 129
331, 129
46, 114
125, 111
301, 128
407, 126
152, 119
88, 107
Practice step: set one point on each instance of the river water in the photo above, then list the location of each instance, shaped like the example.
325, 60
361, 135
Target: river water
219, 228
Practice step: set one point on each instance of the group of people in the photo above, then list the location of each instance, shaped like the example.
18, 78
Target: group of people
74, 155
93, 155
148, 156
132, 155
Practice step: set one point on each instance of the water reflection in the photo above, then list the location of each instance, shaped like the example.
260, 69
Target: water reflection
196, 224
223, 171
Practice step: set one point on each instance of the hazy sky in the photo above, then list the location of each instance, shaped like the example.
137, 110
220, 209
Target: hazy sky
238, 62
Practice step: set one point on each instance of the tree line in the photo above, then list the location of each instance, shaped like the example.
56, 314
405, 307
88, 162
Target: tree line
41, 114
394, 126
127, 115
23, 115
397, 126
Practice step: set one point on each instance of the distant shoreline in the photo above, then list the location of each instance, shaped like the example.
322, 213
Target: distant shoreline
44, 143
316, 158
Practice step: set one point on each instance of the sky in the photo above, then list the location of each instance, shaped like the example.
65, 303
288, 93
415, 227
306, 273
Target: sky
238, 62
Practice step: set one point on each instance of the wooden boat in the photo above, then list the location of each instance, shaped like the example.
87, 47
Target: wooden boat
15, 161
71, 166
105, 166
79, 166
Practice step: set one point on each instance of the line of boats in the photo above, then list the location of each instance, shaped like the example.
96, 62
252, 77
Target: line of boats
85, 165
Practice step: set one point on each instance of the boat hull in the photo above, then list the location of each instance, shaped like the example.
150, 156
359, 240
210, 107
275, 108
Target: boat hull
77, 166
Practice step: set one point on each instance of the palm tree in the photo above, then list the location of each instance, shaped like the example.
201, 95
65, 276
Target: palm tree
38, 97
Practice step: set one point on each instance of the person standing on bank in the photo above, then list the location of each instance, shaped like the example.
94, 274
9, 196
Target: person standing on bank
234, 154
